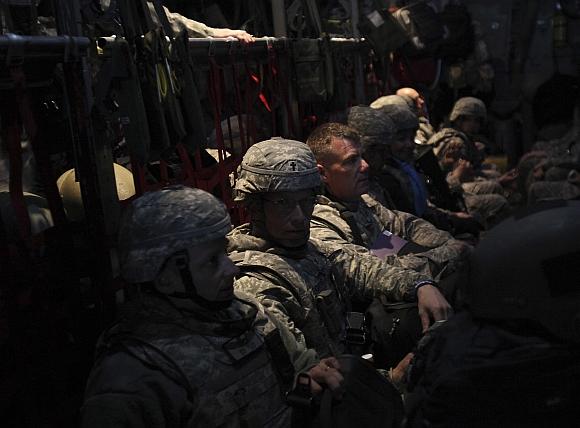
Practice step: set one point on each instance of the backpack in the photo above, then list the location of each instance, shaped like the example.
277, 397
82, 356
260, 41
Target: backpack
423, 27
526, 392
394, 330
382, 30
460, 40
369, 399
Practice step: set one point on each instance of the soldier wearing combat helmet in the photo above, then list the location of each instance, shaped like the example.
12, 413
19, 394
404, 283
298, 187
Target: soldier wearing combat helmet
461, 158
285, 269
188, 343
398, 176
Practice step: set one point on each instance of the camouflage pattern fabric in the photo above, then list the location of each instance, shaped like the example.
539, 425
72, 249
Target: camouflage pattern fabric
289, 283
444, 253
547, 190
386, 100
483, 187
449, 139
425, 131
162, 367
276, 165
403, 118
374, 126
158, 224
468, 106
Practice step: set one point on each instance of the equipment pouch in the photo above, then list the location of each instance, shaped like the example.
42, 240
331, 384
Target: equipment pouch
311, 71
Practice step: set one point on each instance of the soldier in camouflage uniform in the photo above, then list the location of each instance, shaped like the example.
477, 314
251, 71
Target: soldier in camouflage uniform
289, 273
346, 215
189, 352
461, 158
104, 15
511, 358
398, 175
558, 175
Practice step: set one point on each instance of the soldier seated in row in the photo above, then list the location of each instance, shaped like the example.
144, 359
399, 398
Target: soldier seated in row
398, 175
461, 156
511, 359
189, 351
345, 214
311, 293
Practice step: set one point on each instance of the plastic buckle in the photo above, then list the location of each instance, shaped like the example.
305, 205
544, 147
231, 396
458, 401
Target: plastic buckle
355, 328
300, 396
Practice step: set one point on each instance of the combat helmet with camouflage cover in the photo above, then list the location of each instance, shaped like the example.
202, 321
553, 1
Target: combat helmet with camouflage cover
161, 223
373, 125
468, 106
527, 268
401, 100
402, 116
276, 165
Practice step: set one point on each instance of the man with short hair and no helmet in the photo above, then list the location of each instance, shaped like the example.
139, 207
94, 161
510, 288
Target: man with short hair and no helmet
189, 344
345, 214
278, 181
419, 107
511, 358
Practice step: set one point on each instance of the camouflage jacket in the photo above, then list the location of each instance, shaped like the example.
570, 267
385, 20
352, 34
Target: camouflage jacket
161, 366
451, 139
312, 293
439, 254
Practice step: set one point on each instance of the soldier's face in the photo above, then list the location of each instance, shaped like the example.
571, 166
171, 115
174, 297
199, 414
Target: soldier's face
212, 271
469, 124
344, 172
403, 145
287, 216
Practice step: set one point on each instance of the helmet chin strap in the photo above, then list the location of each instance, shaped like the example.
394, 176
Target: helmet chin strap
191, 293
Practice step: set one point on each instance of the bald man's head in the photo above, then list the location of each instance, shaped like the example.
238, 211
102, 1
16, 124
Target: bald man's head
416, 97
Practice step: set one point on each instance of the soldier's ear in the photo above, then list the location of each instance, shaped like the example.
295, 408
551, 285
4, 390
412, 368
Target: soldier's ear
322, 172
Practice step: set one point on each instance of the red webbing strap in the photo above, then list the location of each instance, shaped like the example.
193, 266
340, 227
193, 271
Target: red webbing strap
251, 124
216, 96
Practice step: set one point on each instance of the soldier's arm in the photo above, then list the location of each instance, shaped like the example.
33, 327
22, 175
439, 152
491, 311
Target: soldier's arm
279, 303
302, 358
408, 226
443, 249
123, 392
367, 276
198, 29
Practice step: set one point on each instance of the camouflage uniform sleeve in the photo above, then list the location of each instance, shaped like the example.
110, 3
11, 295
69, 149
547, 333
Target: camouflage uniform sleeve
367, 276
285, 310
179, 22
444, 250
124, 392
410, 227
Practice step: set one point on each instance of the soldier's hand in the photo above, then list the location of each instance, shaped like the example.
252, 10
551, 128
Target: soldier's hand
241, 35
432, 305
326, 373
508, 177
397, 374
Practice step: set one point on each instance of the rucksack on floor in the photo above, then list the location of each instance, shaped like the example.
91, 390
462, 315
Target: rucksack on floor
369, 399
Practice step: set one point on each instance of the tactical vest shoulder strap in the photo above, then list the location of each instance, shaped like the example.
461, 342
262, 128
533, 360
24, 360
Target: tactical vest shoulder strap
348, 216
263, 273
